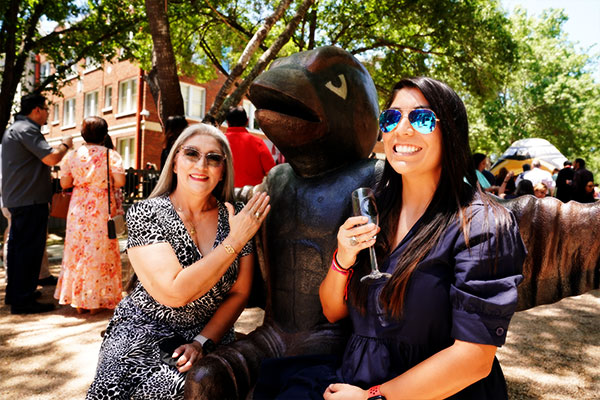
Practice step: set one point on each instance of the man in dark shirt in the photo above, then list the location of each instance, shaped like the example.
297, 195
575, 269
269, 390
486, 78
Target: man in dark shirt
580, 179
564, 191
26, 192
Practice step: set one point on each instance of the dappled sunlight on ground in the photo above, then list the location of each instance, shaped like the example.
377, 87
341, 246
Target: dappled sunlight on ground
553, 351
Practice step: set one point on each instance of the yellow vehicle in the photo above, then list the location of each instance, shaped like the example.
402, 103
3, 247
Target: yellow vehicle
524, 151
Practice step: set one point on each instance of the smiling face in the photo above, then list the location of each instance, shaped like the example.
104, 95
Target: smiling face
410, 153
198, 177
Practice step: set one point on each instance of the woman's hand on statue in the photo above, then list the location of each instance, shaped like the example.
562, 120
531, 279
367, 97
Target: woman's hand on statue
344, 391
188, 354
353, 236
243, 225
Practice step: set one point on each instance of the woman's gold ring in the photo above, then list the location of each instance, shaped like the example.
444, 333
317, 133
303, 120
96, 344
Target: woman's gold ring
257, 215
353, 241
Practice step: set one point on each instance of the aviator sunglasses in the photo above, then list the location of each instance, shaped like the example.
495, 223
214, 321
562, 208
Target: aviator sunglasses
422, 120
193, 155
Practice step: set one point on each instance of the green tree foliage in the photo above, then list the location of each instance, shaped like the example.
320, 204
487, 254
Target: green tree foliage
96, 29
463, 42
548, 93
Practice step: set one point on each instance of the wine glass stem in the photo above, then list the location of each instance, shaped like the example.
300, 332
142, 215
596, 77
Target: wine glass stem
374, 267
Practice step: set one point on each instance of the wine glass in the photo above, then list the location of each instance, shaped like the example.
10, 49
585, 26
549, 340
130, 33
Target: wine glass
363, 203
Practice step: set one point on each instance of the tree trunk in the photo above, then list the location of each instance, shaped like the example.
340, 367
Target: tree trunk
15, 58
168, 98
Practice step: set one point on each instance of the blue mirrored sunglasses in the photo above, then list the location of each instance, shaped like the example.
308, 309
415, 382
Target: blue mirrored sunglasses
422, 120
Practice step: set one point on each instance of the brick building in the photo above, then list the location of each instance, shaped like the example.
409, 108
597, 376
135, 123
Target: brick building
117, 92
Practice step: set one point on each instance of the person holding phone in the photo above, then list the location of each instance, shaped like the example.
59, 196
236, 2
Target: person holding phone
191, 251
455, 257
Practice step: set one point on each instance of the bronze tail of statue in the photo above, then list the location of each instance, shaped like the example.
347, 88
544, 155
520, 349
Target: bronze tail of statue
563, 245
231, 371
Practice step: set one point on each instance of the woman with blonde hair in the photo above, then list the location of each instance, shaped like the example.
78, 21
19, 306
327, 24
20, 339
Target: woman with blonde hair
191, 251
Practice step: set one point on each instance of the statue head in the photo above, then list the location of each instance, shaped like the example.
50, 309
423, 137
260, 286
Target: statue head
319, 107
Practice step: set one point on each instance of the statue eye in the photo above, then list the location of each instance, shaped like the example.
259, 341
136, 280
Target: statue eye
341, 90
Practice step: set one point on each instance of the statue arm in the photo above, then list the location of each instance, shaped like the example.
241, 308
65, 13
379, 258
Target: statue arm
563, 245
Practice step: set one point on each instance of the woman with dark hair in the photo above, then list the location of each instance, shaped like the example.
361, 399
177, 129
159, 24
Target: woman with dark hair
524, 187
455, 259
173, 127
192, 255
90, 276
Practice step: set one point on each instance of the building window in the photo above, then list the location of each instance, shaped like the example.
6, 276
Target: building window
250, 110
71, 72
55, 114
91, 64
44, 71
194, 98
127, 96
107, 98
90, 104
126, 148
69, 113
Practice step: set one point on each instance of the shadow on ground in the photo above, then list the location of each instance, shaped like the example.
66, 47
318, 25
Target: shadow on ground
553, 351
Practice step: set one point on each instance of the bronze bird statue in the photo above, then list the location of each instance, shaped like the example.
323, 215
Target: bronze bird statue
319, 108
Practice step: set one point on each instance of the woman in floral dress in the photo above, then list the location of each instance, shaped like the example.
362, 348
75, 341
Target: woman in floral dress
90, 277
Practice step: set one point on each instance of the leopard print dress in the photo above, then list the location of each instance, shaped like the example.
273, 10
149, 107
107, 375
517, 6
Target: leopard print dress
129, 364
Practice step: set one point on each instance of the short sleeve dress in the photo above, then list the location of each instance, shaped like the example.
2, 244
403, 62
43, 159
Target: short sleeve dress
457, 292
129, 365
90, 275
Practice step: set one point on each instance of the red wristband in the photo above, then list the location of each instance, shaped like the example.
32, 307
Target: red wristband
337, 267
375, 393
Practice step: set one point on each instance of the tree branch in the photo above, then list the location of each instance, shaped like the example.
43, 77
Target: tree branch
265, 59
250, 49
388, 44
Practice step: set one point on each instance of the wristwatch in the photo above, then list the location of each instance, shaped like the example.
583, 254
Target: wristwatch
208, 347
375, 393
207, 344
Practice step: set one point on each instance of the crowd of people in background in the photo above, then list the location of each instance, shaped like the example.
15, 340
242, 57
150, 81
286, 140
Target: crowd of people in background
572, 182
90, 275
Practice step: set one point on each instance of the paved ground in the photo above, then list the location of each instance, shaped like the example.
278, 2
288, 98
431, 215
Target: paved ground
552, 352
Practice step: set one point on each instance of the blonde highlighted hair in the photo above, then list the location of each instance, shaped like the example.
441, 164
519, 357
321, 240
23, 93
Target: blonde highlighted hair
167, 183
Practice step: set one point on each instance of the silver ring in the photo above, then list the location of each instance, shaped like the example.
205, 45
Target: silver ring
257, 215
353, 241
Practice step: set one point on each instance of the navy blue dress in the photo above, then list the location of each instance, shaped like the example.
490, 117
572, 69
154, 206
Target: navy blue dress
457, 292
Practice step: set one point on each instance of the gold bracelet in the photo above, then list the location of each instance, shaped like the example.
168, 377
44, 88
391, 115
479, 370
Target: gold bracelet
229, 249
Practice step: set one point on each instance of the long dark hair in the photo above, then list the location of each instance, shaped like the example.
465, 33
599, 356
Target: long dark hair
455, 192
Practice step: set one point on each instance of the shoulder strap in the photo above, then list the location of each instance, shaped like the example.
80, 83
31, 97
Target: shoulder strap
108, 179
